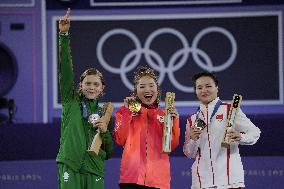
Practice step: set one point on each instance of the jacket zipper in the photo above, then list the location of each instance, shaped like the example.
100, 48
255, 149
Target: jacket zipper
212, 169
146, 147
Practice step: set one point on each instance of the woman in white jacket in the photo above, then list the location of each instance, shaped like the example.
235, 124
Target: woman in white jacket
216, 166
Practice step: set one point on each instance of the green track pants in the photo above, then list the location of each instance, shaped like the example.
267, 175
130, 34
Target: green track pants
68, 179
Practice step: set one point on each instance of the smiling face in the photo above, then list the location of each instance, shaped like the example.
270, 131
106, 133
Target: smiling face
91, 86
206, 89
147, 90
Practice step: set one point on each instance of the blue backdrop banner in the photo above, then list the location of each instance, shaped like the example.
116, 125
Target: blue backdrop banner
243, 49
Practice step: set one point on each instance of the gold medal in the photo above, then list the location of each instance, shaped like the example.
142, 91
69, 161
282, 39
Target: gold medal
134, 106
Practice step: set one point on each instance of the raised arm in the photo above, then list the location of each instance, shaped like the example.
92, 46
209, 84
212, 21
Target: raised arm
65, 68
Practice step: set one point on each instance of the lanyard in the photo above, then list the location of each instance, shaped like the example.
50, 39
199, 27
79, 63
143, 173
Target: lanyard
85, 113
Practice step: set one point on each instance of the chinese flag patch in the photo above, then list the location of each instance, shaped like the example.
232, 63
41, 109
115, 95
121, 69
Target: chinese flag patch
219, 116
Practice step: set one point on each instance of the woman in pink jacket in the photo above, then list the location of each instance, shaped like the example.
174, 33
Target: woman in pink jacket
143, 165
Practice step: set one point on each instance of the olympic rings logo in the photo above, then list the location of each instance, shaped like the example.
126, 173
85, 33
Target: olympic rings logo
176, 61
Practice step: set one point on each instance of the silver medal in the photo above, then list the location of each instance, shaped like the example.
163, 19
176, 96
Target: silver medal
93, 117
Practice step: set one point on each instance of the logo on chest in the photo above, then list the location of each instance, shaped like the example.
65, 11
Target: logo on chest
66, 176
160, 118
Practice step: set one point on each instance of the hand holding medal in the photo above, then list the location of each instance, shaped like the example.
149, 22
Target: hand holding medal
132, 104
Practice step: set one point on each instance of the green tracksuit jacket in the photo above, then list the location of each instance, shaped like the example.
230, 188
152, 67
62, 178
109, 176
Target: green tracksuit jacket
76, 133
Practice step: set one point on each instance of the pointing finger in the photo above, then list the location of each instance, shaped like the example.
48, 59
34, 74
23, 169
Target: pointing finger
68, 13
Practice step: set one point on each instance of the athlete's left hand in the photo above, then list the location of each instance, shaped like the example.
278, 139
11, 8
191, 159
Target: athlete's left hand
233, 135
101, 124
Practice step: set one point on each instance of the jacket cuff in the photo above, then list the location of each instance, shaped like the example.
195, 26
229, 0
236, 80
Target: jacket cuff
64, 33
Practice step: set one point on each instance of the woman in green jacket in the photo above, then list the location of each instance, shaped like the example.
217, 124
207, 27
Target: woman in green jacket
76, 167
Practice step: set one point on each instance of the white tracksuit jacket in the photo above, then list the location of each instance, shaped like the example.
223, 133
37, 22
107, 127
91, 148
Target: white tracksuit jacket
216, 166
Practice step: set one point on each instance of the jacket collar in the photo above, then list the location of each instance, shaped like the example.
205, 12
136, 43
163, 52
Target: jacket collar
209, 109
151, 106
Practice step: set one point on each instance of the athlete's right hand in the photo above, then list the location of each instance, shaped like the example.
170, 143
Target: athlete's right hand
127, 100
194, 133
64, 22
